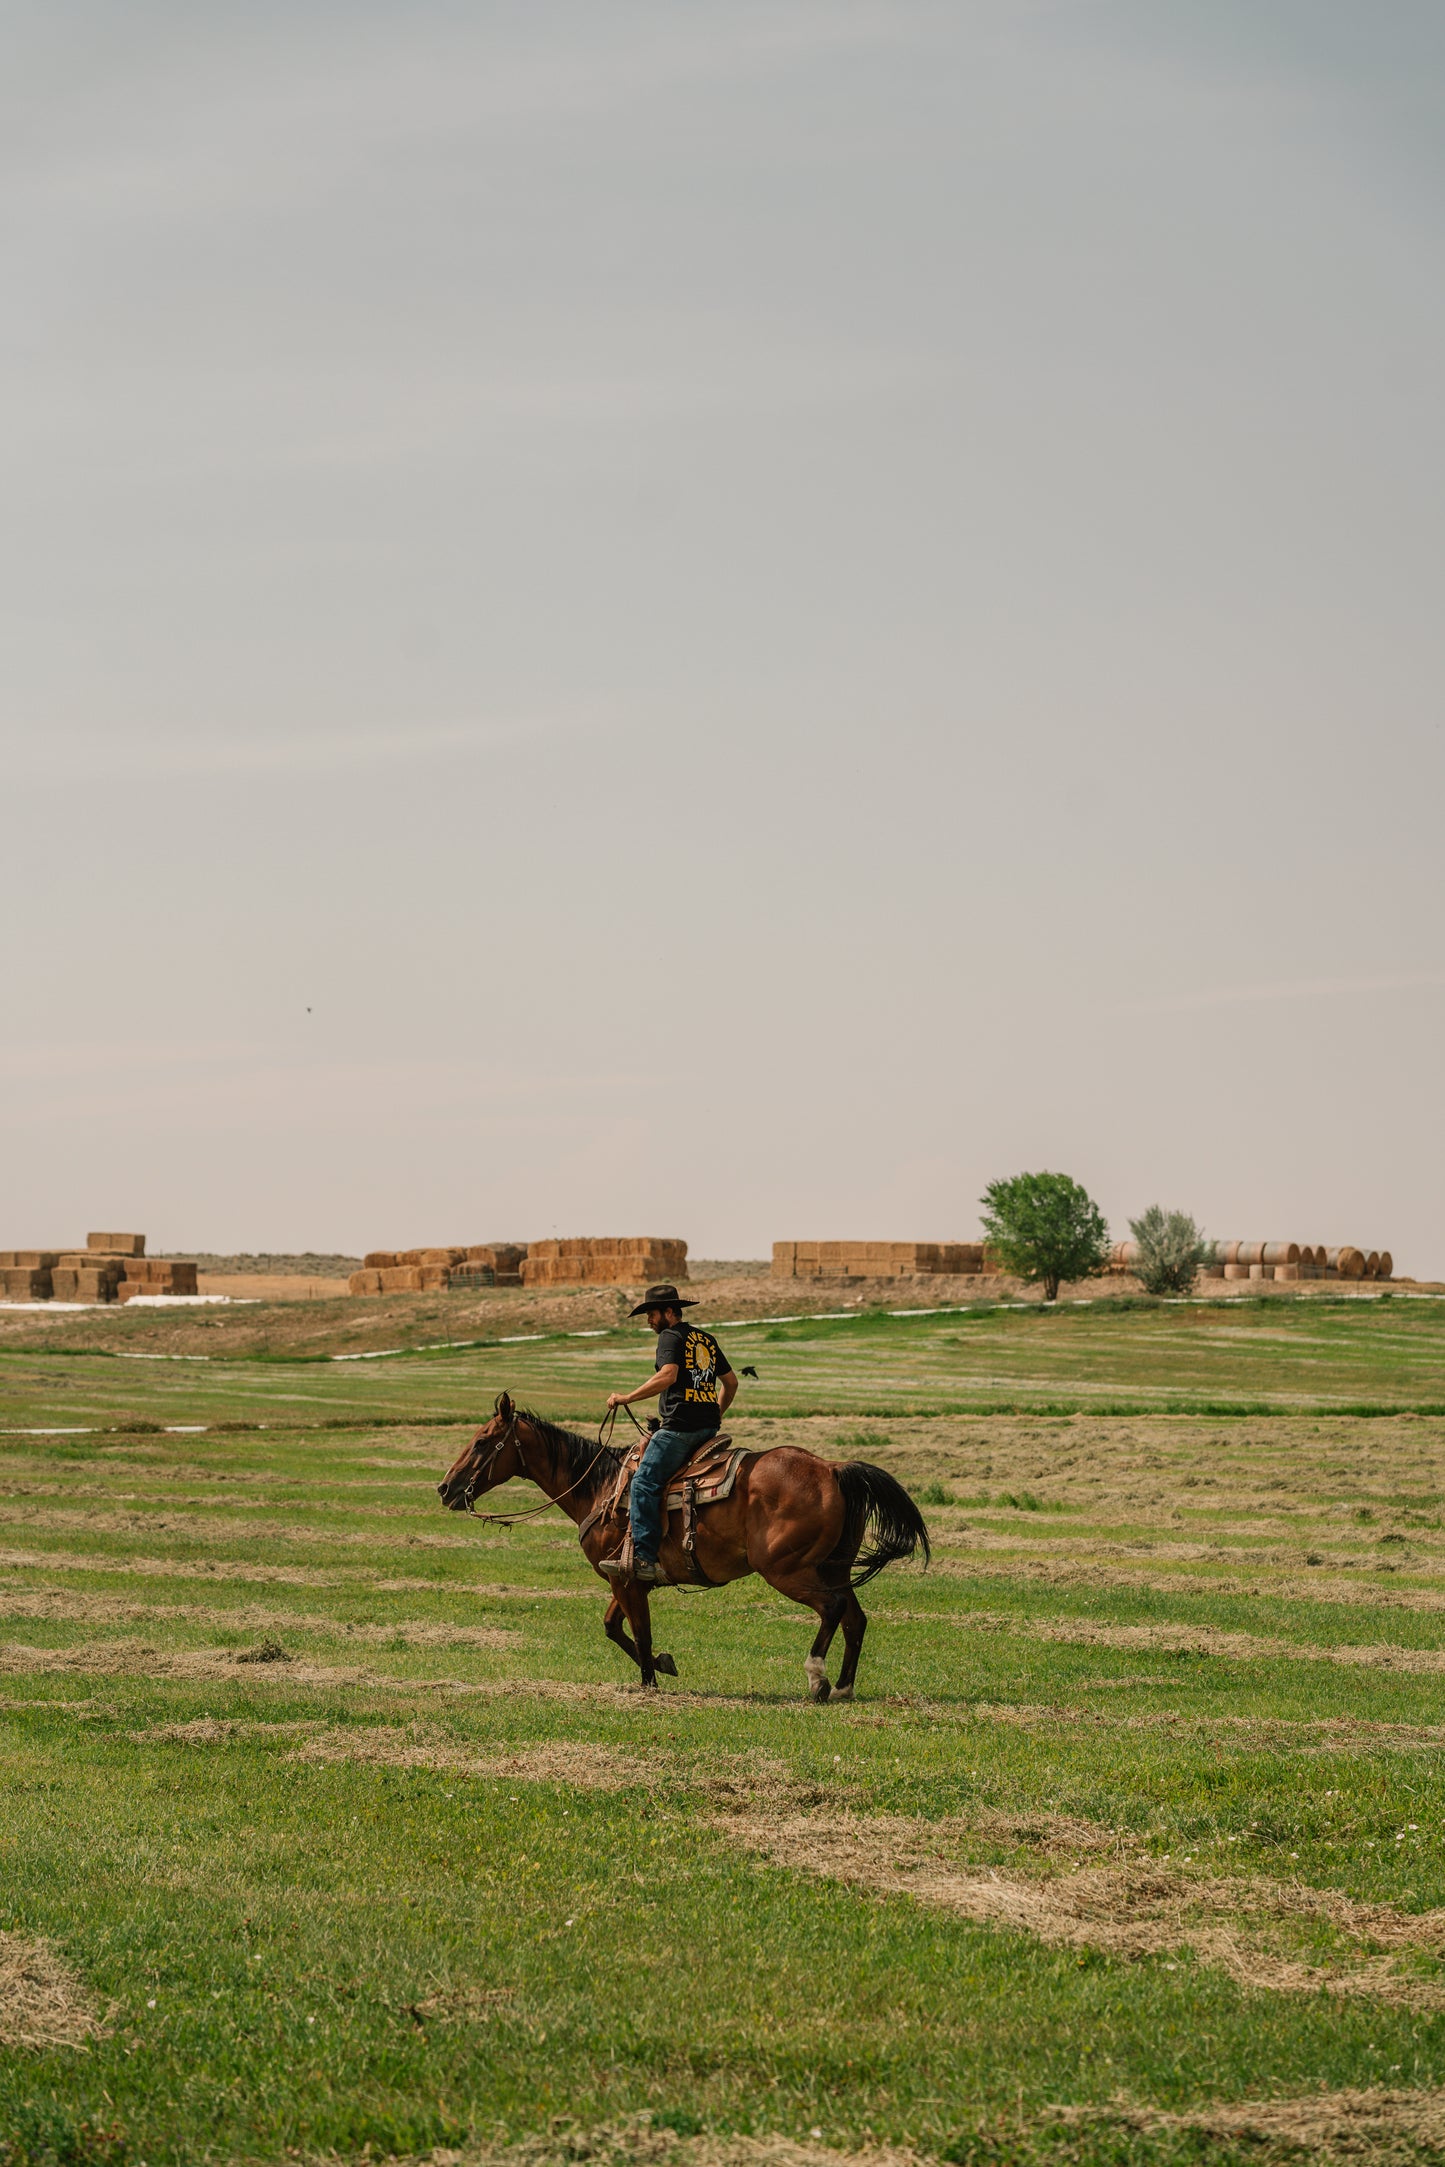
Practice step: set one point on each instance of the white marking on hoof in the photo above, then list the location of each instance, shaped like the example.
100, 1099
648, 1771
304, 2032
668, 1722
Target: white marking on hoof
817, 1676
841, 1692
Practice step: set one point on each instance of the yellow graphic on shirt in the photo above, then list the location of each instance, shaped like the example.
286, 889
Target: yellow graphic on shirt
699, 1361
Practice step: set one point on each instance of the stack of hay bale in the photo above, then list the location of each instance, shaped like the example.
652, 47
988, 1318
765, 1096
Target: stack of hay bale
110, 1268
88, 1275
152, 1275
432, 1271
1275, 1260
26, 1274
878, 1260
1297, 1260
618, 1260
491, 1264
121, 1259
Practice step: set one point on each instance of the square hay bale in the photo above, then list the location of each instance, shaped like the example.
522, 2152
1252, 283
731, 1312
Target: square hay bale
22, 1283
95, 1287
183, 1275
435, 1278
28, 1260
785, 1260
117, 1245
364, 1282
401, 1279
378, 1260
436, 1256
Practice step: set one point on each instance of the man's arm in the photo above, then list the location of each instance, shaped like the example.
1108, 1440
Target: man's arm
727, 1392
656, 1384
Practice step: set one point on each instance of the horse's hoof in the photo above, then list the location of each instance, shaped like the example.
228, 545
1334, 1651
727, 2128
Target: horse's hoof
841, 1692
665, 1664
817, 1677
822, 1691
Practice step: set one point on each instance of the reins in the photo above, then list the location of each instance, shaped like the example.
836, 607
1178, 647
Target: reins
509, 1519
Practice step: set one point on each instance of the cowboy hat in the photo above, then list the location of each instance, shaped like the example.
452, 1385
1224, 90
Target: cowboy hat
664, 1297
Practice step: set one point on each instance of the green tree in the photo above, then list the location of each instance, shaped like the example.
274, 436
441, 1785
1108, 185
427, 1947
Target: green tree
1046, 1227
1171, 1250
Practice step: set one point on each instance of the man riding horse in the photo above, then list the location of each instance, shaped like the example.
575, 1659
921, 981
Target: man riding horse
695, 1383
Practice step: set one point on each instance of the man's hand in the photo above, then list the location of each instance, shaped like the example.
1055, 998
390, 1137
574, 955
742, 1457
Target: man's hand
616, 1399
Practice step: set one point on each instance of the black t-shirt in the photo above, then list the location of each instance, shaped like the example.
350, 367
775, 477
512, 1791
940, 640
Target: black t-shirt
691, 1403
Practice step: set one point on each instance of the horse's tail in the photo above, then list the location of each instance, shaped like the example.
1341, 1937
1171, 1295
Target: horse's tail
875, 1502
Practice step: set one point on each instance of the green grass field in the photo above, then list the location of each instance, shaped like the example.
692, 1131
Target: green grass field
1131, 1848
1343, 1354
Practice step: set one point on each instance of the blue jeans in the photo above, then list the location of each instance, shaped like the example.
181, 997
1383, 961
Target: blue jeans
666, 1452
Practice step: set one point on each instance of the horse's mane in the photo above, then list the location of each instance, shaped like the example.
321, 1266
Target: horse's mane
576, 1458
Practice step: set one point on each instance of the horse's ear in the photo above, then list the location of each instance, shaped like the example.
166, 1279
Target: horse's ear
504, 1406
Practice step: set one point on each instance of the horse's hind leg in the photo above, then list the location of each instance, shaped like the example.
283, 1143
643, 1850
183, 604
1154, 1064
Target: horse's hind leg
830, 1602
855, 1625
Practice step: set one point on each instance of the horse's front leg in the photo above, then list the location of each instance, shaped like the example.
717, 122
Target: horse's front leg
633, 1601
615, 1627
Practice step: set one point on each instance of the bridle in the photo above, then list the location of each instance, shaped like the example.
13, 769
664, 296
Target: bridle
484, 1467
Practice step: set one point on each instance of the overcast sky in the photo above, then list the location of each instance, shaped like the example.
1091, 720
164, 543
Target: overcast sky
720, 619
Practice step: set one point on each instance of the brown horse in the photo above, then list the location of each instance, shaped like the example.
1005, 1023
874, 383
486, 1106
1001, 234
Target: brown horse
798, 1520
